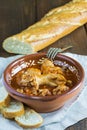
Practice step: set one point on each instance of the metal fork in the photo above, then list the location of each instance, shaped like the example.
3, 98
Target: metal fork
52, 52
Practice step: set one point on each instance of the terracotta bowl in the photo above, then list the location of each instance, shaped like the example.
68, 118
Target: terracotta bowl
44, 103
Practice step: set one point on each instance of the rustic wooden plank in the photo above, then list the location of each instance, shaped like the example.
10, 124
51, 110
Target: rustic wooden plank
86, 27
15, 15
81, 125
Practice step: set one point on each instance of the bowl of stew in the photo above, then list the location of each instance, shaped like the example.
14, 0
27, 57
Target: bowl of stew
43, 84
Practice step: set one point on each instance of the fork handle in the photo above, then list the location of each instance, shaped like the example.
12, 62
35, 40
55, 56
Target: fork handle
68, 47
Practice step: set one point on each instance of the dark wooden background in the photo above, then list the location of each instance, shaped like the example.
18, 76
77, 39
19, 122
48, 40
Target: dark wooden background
17, 15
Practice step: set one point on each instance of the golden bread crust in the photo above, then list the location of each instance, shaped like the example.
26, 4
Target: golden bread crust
56, 24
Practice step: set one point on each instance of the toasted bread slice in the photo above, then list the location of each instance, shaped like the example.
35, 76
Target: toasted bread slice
30, 119
14, 109
4, 97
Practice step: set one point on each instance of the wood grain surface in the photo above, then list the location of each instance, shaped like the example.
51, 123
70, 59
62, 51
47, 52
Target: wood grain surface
17, 15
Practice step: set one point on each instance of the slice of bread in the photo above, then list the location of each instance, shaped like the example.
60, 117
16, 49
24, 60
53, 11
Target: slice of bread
30, 119
4, 97
14, 109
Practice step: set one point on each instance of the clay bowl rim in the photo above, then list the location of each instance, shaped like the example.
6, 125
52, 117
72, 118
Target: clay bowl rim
14, 92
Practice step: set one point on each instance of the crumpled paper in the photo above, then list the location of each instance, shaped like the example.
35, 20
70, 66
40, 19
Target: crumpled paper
60, 119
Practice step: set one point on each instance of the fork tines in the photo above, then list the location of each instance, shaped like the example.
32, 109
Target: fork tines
52, 52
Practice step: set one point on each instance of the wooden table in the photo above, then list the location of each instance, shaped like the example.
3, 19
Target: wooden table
16, 15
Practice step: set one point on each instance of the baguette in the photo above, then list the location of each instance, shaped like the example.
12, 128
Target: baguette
30, 119
14, 109
4, 98
54, 25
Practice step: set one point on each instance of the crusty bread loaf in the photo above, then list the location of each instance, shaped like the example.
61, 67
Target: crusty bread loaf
14, 109
30, 119
54, 25
4, 97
